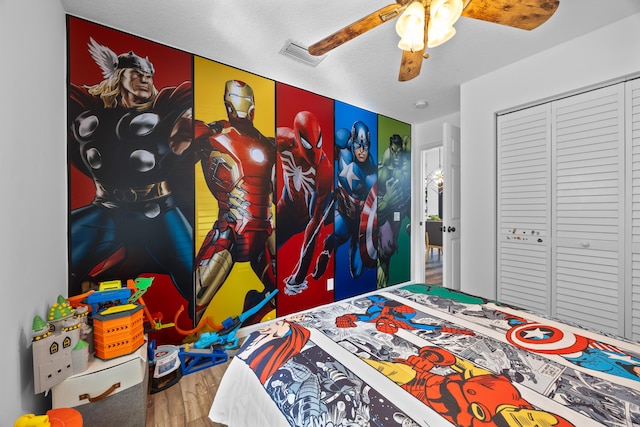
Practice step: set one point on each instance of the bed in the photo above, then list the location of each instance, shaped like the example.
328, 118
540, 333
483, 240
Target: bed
421, 355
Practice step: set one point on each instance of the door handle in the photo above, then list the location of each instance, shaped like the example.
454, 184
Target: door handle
451, 229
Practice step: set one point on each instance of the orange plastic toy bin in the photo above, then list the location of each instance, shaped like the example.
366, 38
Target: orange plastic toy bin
118, 334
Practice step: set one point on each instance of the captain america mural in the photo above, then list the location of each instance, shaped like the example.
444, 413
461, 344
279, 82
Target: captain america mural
131, 165
353, 242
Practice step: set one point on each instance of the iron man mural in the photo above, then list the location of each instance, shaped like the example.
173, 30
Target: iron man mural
238, 164
235, 191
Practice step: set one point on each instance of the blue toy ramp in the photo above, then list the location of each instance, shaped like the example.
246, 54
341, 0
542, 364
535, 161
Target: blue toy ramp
193, 360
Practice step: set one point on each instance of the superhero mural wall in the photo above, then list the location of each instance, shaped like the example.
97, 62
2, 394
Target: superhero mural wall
394, 202
353, 241
131, 161
235, 197
305, 197
198, 174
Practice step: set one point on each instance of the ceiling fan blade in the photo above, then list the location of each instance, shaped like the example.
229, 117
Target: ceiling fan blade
412, 61
355, 29
410, 65
523, 14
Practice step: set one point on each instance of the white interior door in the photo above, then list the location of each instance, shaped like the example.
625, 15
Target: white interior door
588, 217
451, 208
424, 171
632, 307
524, 208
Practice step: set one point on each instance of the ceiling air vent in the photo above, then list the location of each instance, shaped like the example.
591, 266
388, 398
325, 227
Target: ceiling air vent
297, 51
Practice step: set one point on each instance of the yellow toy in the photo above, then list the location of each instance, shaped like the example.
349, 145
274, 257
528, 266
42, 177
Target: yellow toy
60, 417
32, 420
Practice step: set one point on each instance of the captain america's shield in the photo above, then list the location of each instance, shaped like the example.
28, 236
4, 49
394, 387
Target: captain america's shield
545, 339
368, 232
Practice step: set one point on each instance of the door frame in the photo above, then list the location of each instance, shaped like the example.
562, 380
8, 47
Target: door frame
451, 209
420, 246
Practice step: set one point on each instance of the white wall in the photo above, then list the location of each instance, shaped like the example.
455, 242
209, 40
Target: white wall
610, 53
32, 187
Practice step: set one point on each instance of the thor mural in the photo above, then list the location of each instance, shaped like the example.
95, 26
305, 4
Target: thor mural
131, 162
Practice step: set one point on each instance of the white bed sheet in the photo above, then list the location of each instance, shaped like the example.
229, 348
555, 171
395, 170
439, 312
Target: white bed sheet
323, 371
241, 401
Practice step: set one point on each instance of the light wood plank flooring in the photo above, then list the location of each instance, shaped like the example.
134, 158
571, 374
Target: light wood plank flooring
433, 269
187, 403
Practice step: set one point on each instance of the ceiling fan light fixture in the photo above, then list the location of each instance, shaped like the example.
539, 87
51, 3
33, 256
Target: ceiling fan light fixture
410, 27
443, 14
438, 35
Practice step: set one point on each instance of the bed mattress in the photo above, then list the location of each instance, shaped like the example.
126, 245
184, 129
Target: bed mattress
421, 355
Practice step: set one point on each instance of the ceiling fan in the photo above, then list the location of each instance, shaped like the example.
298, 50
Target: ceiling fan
429, 23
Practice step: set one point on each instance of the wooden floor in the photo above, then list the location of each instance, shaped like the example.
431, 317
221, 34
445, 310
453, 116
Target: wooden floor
187, 403
433, 269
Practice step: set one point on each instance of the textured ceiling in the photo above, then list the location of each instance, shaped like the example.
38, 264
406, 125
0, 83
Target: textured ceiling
250, 34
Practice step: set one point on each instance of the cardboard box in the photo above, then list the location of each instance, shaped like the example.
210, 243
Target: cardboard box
110, 392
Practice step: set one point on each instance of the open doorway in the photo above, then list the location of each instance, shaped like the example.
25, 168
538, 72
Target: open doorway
432, 210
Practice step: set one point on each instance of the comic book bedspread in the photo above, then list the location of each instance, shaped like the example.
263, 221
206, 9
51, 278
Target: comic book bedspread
423, 355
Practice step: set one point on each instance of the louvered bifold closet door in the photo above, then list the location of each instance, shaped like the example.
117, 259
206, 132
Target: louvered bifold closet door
523, 198
633, 164
588, 208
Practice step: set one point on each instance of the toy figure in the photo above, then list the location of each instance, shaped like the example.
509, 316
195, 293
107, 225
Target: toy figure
356, 200
305, 200
394, 195
238, 163
57, 417
469, 396
390, 316
129, 138
226, 337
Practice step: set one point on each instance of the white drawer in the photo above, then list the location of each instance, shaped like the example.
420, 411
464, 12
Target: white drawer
100, 377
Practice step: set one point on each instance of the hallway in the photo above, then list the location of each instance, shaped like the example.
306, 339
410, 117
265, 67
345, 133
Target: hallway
433, 269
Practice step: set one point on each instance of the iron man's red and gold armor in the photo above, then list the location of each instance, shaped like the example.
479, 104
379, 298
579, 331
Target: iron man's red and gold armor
238, 163
470, 396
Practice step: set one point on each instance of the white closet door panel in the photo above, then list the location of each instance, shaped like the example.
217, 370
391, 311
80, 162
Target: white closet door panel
590, 141
524, 208
524, 274
632, 110
528, 182
573, 234
634, 321
597, 287
588, 206
570, 154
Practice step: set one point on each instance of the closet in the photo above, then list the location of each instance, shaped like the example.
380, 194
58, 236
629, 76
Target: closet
569, 208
